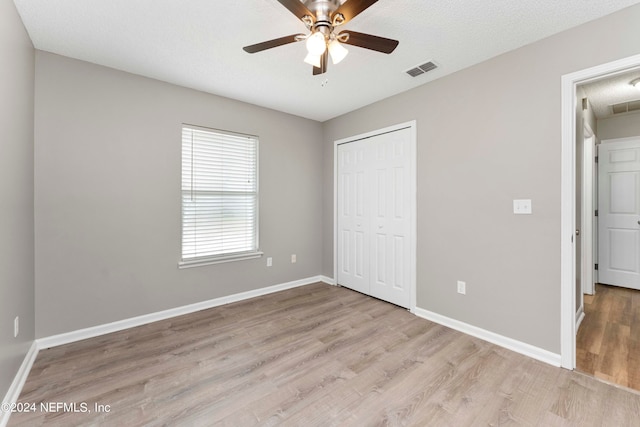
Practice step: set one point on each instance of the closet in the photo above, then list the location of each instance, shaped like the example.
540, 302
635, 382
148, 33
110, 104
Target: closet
375, 201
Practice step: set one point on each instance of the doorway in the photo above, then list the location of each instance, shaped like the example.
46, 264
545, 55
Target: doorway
569, 262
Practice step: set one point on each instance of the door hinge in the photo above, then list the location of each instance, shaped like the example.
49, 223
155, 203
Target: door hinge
596, 212
596, 266
596, 159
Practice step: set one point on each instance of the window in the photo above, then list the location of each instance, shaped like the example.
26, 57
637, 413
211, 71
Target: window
219, 196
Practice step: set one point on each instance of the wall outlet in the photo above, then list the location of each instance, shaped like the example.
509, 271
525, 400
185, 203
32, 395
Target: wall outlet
462, 287
293, 258
269, 261
522, 206
16, 326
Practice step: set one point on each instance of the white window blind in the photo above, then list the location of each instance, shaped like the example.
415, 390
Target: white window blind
219, 194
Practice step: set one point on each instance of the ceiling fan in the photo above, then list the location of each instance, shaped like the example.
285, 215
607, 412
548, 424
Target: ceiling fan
322, 17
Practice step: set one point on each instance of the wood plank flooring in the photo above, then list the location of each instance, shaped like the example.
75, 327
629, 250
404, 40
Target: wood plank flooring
608, 341
317, 355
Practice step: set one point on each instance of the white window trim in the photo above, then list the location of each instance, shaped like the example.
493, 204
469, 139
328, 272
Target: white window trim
219, 259
197, 262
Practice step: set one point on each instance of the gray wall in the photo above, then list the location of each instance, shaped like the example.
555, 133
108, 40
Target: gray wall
107, 195
622, 126
16, 192
487, 135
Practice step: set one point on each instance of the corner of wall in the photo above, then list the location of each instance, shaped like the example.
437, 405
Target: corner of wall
16, 191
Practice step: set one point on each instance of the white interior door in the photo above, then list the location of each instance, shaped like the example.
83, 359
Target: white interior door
374, 216
353, 216
391, 220
588, 233
619, 213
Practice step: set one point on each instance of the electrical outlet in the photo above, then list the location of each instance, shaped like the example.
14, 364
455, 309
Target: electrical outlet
522, 206
269, 262
16, 326
293, 258
462, 287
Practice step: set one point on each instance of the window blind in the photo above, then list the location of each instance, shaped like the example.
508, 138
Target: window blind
219, 193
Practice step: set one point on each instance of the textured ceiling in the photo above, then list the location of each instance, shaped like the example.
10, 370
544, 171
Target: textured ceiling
198, 43
604, 93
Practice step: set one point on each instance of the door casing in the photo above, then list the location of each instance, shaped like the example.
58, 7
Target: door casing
569, 82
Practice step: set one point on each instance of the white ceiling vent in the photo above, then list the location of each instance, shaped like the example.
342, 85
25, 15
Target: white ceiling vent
421, 69
626, 107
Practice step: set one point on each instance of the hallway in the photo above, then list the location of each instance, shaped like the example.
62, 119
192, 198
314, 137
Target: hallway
608, 341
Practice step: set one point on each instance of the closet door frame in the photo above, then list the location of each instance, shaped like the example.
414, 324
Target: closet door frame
412, 190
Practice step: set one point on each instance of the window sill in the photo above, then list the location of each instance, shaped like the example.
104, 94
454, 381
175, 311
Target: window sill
218, 260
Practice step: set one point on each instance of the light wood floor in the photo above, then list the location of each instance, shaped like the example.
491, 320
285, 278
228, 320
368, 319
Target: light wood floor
316, 355
608, 341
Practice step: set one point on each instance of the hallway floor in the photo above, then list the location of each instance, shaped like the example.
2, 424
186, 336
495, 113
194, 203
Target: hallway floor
608, 341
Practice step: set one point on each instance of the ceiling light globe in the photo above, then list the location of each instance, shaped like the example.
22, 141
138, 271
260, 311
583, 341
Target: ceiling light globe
316, 44
337, 51
312, 59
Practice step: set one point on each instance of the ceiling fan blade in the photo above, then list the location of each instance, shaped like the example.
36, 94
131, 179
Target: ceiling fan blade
297, 8
324, 60
368, 41
258, 47
351, 8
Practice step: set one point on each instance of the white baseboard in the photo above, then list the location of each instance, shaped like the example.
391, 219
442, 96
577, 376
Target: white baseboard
69, 337
94, 331
327, 280
508, 343
18, 382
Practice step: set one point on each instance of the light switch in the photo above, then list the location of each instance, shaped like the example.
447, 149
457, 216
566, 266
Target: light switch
522, 206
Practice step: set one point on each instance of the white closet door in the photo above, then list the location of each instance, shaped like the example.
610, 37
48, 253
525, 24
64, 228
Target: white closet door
353, 217
374, 216
391, 219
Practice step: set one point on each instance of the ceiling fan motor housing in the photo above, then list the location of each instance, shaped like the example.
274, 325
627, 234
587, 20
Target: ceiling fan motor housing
323, 9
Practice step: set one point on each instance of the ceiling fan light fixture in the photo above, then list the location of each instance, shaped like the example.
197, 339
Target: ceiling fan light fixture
316, 44
322, 18
337, 51
312, 59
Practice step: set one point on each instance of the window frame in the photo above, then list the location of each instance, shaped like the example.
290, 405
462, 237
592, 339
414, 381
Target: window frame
229, 256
